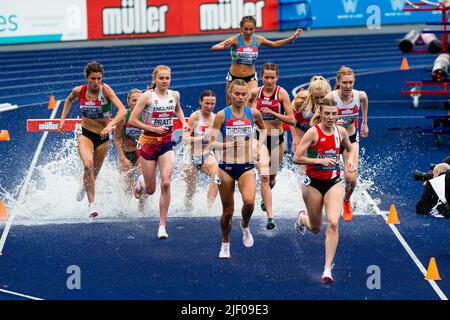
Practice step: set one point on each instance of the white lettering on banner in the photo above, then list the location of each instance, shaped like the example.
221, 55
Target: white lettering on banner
227, 14
134, 17
397, 5
48, 126
350, 5
374, 20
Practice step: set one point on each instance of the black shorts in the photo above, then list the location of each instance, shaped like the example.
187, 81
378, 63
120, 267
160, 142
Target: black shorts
321, 185
253, 77
132, 157
353, 138
96, 139
272, 142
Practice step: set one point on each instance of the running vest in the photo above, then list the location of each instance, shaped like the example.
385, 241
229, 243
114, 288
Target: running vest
237, 127
131, 132
94, 109
245, 54
200, 126
348, 112
272, 102
303, 119
326, 147
160, 113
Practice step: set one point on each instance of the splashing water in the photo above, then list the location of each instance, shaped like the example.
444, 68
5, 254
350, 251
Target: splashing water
50, 197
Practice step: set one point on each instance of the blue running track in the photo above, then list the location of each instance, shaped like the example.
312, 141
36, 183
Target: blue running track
122, 259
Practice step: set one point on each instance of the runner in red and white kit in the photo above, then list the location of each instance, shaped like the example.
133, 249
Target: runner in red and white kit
319, 151
275, 106
349, 101
157, 109
197, 156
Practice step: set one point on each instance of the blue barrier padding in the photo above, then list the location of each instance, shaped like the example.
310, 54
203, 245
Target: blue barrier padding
294, 14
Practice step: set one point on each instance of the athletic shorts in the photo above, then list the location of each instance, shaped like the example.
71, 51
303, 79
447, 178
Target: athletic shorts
96, 139
236, 170
353, 138
272, 142
321, 185
151, 148
253, 77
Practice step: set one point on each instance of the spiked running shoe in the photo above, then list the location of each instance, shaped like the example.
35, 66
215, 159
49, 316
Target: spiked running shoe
348, 212
270, 224
299, 226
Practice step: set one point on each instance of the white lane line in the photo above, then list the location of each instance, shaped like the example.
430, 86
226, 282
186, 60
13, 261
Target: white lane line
26, 181
403, 242
19, 294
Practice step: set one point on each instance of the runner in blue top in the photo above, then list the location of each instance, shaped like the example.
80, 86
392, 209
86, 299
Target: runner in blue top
244, 52
232, 136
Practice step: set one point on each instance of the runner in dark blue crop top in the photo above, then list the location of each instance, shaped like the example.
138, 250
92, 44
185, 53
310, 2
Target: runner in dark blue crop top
231, 136
244, 52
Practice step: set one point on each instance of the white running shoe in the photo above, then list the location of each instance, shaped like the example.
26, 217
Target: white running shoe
247, 237
138, 190
81, 191
299, 226
162, 234
225, 251
326, 275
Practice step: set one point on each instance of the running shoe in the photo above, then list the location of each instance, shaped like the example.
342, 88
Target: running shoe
92, 211
327, 278
263, 207
162, 234
247, 237
270, 224
81, 191
138, 191
225, 251
348, 212
299, 226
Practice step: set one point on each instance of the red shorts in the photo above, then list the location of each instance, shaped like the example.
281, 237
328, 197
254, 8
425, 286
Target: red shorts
151, 148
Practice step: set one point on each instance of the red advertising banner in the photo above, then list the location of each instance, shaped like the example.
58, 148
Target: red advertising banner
154, 18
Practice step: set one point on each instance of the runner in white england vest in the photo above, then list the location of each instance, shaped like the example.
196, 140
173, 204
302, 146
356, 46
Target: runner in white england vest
349, 101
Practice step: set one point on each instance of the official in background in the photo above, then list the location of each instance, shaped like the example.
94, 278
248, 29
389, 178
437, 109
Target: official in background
429, 202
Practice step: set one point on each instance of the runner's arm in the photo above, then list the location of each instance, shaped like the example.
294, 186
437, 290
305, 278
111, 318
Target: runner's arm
279, 43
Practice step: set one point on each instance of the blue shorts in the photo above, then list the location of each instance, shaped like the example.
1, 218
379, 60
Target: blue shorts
236, 170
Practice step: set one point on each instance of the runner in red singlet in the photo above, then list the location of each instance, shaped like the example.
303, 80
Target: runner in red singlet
322, 189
